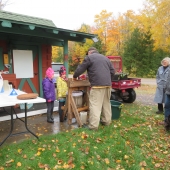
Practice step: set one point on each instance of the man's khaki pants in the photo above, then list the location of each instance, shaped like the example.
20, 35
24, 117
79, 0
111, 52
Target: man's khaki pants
99, 105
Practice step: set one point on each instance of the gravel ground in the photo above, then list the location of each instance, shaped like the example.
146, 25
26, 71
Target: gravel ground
146, 98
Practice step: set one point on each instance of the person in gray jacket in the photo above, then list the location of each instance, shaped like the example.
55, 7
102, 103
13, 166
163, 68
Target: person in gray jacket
100, 72
161, 78
166, 121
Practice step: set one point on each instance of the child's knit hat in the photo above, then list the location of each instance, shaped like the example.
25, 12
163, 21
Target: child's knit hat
62, 70
49, 72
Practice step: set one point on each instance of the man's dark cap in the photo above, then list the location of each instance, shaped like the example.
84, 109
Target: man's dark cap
92, 48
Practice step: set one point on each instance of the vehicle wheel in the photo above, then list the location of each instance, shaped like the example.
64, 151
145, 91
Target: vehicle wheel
114, 96
131, 97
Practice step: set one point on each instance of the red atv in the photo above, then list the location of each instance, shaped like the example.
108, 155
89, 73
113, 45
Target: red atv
122, 86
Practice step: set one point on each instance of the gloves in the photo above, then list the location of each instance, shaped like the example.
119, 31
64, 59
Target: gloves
74, 79
48, 101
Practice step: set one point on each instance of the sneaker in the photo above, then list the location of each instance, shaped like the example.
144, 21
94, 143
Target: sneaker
159, 112
87, 127
104, 124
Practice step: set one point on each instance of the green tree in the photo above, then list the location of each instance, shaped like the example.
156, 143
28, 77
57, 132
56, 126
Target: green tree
138, 54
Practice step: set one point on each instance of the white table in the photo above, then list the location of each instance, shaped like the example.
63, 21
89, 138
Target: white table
7, 100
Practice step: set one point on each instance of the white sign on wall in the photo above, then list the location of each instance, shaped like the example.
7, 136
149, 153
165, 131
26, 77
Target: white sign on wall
23, 63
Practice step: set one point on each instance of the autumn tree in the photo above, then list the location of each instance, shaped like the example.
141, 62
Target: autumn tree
57, 54
77, 50
102, 22
159, 14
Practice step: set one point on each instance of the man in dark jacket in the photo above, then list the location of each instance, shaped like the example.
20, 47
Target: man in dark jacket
167, 103
100, 71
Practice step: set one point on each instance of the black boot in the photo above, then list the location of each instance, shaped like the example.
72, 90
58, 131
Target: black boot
52, 118
61, 111
49, 120
160, 108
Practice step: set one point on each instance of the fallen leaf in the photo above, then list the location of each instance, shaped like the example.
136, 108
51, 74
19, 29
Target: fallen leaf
24, 156
57, 150
10, 161
98, 140
66, 166
71, 166
128, 142
54, 155
166, 152
157, 165
98, 157
71, 153
126, 157
38, 153
40, 165
19, 151
84, 136
107, 161
74, 144
19, 164
87, 150
60, 161
82, 167
143, 163
118, 161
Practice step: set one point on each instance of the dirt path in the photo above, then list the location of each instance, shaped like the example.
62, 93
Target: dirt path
148, 81
145, 94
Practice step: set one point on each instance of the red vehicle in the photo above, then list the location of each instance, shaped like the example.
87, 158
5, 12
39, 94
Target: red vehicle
122, 86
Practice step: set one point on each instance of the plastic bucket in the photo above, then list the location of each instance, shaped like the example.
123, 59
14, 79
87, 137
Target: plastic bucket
116, 109
78, 98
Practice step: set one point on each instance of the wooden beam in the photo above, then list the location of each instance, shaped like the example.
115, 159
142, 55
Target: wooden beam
78, 83
85, 108
40, 32
76, 114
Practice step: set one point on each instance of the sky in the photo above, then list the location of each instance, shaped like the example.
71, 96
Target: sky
71, 14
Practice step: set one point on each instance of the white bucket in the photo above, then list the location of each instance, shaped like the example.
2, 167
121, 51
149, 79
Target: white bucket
78, 98
83, 117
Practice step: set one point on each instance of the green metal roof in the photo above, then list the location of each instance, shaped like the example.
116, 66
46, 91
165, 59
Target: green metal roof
25, 19
19, 27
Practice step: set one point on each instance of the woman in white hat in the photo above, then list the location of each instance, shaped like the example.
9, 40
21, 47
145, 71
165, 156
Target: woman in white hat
161, 78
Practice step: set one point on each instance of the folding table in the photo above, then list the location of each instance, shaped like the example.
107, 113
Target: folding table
6, 100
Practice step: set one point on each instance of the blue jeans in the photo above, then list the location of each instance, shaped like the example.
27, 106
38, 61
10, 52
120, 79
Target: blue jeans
167, 106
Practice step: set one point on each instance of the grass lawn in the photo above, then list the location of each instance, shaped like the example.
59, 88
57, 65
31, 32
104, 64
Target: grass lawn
133, 142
